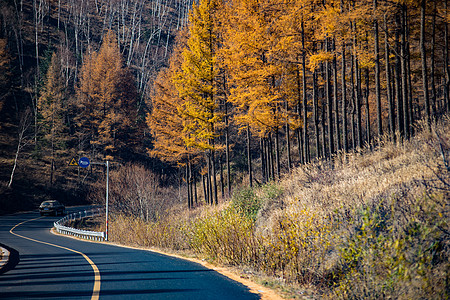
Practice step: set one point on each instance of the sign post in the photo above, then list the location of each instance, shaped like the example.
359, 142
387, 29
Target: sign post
107, 193
84, 163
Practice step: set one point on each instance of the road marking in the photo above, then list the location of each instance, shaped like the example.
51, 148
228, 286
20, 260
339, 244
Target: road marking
97, 278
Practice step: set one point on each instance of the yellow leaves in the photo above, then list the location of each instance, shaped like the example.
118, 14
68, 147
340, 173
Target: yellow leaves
316, 59
107, 96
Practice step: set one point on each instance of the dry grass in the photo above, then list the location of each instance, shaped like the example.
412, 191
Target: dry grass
367, 225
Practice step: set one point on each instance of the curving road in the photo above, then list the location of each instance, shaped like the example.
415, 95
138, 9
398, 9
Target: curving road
48, 266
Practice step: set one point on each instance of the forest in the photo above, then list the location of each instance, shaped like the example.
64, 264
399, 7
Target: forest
227, 92
304, 144
297, 81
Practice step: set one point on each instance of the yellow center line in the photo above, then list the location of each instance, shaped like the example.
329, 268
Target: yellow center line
97, 281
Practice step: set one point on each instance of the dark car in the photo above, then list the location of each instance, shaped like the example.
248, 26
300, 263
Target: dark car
51, 207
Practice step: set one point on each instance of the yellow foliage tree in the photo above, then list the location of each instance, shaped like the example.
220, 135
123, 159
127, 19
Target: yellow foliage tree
52, 107
107, 100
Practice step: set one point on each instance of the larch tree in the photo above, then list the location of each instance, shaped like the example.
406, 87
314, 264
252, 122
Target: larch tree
254, 72
52, 106
197, 84
107, 100
166, 121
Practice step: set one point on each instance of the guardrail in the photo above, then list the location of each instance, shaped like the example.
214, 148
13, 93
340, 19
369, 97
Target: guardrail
85, 234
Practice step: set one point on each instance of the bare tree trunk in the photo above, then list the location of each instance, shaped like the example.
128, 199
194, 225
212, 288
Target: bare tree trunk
306, 150
249, 158
388, 82
316, 115
424, 62
24, 124
433, 64
446, 63
403, 54
188, 186
366, 96
353, 102
222, 184
344, 101
300, 144
377, 74
336, 104
277, 153
227, 149
357, 107
263, 159
288, 141
329, 103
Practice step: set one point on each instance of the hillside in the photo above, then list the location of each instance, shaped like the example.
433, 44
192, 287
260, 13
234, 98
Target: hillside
31, 32
371, 225
213, 93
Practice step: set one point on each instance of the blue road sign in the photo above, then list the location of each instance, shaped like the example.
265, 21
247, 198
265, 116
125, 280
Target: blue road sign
84, 162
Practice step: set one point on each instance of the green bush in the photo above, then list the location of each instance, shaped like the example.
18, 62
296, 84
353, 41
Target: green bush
247, 202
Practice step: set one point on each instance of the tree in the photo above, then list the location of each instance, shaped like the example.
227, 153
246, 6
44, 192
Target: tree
197, 84
52, 107
255, 73
166, 119
107, 100
5, 72
26, 119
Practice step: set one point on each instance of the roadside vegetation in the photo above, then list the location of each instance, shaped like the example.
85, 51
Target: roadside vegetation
373, 224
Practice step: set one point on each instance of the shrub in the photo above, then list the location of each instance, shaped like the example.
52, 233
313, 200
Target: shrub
225, 236
246, 202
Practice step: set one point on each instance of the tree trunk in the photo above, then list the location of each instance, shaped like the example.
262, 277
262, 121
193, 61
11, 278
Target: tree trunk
222, 184
271, 159
277, 153
329, 103
405, 87
388, 83
446, 64
397, 77
263, 159
195, 190
377, 73
353, 109
301, 149
205, 189
306, 157
213, 160
316, 115
24, 124
336, 105
433, 64
344, 101
357, 73
208, 180
227, 149
188, 190
366, 96
249, 158
288, 141
424, 62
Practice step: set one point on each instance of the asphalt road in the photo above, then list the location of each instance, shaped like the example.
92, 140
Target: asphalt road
48, 266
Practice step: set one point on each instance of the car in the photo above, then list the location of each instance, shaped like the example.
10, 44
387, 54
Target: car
52, 207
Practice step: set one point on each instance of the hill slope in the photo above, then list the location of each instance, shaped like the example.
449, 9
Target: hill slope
365, 225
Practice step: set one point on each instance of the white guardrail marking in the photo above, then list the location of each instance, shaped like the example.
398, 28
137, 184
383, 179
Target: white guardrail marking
85, 234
